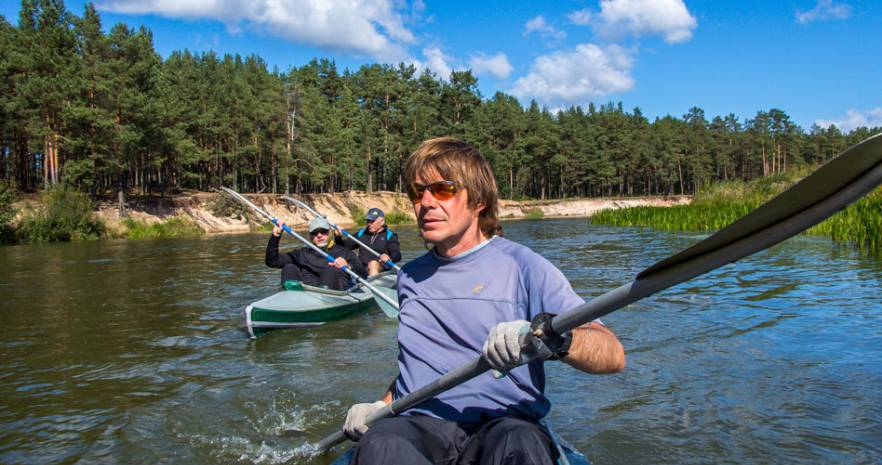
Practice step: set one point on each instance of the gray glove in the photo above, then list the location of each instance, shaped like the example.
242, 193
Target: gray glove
503, 346
355, 426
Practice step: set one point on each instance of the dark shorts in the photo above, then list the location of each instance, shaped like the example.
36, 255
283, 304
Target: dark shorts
421, 440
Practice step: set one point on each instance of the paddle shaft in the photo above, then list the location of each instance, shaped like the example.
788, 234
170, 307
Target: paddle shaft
309, 243
390, 263
647, 285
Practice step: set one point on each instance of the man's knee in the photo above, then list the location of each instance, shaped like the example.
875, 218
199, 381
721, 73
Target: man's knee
291, 272
374, 267
384, 442
517, 441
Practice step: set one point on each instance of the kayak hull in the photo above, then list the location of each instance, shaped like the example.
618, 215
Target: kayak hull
307, 306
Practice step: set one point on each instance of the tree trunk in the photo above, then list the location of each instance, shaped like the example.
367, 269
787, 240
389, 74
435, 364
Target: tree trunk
370, 179
122, 204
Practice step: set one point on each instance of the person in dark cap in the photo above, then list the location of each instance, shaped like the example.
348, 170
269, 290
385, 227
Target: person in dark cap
379, 237
308, 266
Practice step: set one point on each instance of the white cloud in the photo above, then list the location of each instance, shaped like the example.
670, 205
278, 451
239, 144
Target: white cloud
669, 18
855, 118
496, 65
437, 62
824, 10
540, 26
580, 17
573, 77
370, 27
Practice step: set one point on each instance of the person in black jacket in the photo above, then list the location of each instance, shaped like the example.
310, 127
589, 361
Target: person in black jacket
379, 237
308, 266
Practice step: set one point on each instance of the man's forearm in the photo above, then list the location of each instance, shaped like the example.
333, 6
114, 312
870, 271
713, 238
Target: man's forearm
595, 349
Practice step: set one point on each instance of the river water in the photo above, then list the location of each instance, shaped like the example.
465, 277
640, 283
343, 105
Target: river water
134, 352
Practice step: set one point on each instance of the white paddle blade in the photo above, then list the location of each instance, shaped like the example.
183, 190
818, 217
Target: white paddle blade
387, 306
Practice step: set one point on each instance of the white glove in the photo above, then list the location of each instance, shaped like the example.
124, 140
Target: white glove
503, 347
355, 426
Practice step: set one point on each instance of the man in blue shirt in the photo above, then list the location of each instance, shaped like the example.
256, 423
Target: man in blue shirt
473, 294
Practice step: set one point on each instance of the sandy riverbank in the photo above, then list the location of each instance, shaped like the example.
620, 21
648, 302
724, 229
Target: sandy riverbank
338, 206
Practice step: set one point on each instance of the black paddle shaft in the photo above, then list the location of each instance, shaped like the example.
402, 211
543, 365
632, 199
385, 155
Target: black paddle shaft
831, 188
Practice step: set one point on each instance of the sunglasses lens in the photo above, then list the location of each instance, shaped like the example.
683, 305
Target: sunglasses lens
443, 191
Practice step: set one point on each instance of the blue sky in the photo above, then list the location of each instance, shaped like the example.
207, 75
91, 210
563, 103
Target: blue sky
818, 60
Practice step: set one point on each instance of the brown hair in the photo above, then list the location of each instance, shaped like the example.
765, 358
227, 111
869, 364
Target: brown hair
460, 162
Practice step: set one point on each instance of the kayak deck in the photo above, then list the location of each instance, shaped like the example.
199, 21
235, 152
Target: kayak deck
311, 306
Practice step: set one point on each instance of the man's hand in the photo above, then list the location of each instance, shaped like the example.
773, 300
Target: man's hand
340, 262
384, 258
277, 230
503, 347
355, 426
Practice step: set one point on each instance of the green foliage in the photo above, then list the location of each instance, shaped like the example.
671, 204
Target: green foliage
357, 214
176, 226
7, 213
398, 217
698, 217
534, 213
62, 216
261, 227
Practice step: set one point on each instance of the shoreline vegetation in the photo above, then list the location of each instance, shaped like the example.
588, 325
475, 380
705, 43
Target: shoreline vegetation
720, 204
60, 214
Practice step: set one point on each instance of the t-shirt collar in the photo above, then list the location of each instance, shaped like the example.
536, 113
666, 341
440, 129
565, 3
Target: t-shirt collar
462, 255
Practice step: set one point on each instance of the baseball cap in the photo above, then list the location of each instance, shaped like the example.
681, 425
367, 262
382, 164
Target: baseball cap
373, 214
319, 223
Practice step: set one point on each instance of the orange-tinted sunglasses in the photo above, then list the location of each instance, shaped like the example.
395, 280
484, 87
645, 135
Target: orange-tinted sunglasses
441, 190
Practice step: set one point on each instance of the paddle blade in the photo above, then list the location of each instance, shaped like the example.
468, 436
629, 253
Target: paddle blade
391, 294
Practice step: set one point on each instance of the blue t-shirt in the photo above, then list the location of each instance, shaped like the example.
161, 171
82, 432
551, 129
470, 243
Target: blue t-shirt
448, 307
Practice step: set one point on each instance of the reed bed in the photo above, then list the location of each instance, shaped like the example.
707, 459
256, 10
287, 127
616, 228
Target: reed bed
722, 203
176, 226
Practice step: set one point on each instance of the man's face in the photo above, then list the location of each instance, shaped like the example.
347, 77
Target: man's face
375, 225
319, 237
444, 222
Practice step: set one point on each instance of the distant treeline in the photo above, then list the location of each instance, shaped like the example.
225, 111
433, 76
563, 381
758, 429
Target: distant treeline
104, 112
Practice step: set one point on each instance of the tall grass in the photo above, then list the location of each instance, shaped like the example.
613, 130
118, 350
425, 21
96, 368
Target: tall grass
63, 215
861, 222
398, 217
722, 203
357, 215
534, 213
176, 226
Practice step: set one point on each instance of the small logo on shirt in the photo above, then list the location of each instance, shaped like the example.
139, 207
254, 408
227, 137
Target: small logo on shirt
477, 288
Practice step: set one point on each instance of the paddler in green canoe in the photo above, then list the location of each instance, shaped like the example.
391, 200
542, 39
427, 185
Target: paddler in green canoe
474, 293
308, 266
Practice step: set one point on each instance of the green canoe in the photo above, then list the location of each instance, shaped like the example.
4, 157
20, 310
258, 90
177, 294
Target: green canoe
311, 306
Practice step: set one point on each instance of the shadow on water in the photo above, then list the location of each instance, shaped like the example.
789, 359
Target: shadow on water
134, 352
